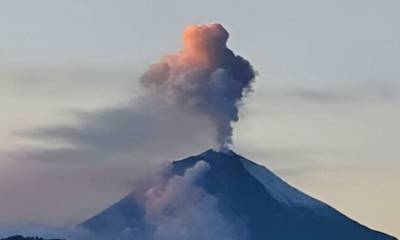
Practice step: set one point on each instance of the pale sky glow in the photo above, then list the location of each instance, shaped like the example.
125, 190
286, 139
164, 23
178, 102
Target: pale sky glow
324, 113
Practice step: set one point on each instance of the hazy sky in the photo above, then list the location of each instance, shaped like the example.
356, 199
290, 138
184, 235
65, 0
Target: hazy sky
324, 114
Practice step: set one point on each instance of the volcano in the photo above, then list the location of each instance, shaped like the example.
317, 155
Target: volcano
249, 195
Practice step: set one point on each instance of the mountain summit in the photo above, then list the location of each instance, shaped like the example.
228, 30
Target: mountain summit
250, 202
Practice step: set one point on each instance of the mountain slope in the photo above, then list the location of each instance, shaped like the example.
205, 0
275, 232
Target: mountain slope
251, 197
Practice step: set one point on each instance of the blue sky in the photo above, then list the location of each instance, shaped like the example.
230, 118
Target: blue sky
324, 114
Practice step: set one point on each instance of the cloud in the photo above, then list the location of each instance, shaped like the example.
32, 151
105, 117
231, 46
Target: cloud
191, 99
187, 103
205, 77
117, 131
367, 92
176, 209
179, 210
96, 158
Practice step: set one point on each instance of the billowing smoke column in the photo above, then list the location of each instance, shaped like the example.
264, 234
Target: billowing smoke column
205, 77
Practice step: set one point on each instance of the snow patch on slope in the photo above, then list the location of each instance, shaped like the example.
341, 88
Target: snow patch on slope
278, 188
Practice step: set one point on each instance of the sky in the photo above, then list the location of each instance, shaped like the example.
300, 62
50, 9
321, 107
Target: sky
324, 113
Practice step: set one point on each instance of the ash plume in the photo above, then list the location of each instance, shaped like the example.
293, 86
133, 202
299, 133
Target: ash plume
190, 100
205, 77
180, 210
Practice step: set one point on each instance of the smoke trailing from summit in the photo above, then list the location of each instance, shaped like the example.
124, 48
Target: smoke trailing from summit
191, 98
205, 77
